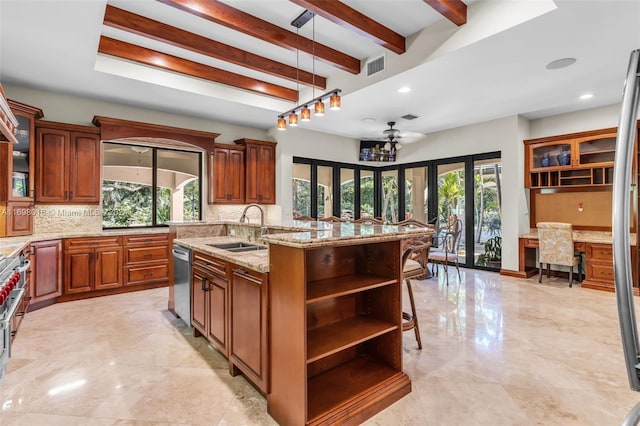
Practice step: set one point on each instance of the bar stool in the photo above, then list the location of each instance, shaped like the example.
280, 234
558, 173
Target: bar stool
413, 269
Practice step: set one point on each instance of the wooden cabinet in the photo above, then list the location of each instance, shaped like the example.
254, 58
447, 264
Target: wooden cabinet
249, 317
599, 272
227, 174
210, 300
20, 182
19, 218
146, 259
336, 332
17, 174
46, 270
260, 171
92, 264
68, 163
573, 160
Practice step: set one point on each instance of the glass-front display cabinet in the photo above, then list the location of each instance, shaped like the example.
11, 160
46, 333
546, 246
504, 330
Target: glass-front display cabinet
21, 170
578, 159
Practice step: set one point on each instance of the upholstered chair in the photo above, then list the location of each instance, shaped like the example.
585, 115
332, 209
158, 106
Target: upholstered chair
555, 241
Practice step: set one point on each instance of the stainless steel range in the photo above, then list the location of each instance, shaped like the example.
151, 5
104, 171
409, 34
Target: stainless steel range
13, 303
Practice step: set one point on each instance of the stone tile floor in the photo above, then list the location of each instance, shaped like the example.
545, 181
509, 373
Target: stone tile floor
497, 351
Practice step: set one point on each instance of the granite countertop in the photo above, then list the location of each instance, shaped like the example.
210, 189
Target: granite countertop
602, 237
257, 260
286, 226
344, 233
10, 246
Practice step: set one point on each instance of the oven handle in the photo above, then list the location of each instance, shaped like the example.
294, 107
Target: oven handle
12, 309
26, 265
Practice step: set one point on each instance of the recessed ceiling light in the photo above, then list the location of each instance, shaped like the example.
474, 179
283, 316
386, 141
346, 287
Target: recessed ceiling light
368, 120
404, 89
586, 96
560, 63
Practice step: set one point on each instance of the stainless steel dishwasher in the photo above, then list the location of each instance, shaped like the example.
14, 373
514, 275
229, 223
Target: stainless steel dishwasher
182, 282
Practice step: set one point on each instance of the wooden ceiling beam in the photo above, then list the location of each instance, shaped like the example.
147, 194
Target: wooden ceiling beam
349, 18
142, 55
136, 24
230, 17
453, 10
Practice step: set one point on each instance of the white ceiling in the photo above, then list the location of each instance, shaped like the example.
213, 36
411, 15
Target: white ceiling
494, 66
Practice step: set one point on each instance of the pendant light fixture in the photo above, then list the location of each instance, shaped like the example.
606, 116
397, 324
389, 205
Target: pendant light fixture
318, 102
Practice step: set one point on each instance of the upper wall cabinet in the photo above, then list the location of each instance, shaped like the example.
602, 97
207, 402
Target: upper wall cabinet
21, 155
17, 173
226, 174
68, 163
573, 160
260, 171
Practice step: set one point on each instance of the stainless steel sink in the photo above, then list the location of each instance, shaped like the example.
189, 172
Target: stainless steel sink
238, 247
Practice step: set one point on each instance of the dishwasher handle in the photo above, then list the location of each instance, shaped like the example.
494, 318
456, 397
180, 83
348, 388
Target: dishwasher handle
181, 255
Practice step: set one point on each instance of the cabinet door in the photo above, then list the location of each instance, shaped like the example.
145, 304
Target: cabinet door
235, 177
596, 150
260, 174
84, 168
19, 218
199, 301
108, 268
78, 270
52, 175
46, 270
219, 181
248, 323
21, 164
218, 314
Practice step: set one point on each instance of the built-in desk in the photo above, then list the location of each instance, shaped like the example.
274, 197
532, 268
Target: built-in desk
598, 257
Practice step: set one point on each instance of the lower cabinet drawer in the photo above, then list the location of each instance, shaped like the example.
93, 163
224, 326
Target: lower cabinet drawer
600, 271
145, 274
146, 254
599, 252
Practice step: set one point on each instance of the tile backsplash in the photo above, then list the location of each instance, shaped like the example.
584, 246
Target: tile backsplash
64, 218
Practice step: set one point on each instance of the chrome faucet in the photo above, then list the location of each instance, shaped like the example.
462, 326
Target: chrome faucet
244, 214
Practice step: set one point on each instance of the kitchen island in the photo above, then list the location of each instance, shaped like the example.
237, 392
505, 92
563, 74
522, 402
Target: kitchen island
336, 323
321, 333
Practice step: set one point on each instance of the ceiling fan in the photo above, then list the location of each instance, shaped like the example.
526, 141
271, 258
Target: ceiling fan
392, 137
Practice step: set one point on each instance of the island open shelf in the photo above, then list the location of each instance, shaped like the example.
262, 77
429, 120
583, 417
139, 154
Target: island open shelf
336, 331
347, 284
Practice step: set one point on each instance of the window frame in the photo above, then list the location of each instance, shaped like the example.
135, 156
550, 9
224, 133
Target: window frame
154, 183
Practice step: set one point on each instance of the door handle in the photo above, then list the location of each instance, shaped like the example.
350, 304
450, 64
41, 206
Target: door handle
204, 284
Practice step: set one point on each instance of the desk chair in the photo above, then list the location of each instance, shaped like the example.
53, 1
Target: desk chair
412, 269
449, 245
555, 241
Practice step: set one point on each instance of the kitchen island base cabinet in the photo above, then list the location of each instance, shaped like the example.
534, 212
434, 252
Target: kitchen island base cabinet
210, 301
336, 332
249, 351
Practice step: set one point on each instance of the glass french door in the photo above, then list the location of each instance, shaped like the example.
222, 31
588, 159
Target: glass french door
301, 190
416, 194
487, 229
451, 201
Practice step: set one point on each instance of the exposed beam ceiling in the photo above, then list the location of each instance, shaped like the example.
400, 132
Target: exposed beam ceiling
121, 49
136, 24
223, 14
347, 17
453, 10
